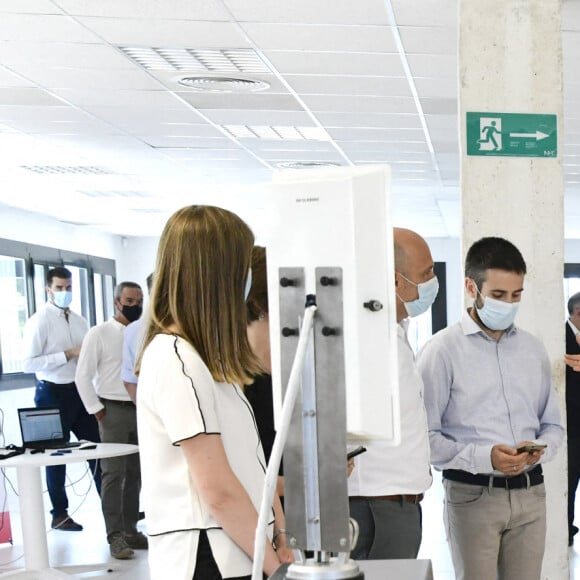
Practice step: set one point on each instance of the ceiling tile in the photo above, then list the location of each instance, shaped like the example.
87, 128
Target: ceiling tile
436, 88
429, 13
257, 101
439, 106
43, 28
9, 79
336, 103
351, 147
148, 9
433, 65
27, 97
257, 117
336, 63
381, 135
103, 98
159, 33
343, 85
29, 7
352, 38
306, 11
429, 39
366, 119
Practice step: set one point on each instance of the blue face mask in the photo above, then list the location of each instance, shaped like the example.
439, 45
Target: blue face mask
497, 314
427, 294
63, 298
248, 284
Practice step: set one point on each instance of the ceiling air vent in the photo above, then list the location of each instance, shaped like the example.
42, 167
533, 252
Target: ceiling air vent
223, 84
307, 164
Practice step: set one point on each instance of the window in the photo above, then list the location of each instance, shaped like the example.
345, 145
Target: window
13, 312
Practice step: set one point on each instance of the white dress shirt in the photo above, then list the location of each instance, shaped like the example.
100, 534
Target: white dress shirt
131, 345
388, 470
99, 367
480, 392
47, 335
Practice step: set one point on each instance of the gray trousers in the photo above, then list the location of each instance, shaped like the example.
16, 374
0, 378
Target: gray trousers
121, 476
495, 533
387, 529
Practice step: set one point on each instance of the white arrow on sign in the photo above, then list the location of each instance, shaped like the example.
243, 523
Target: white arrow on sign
538, 135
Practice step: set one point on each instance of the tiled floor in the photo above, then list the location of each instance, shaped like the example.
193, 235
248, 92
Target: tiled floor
90, 547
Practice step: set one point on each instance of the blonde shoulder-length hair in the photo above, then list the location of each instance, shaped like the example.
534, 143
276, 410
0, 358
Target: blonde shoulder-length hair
202, 265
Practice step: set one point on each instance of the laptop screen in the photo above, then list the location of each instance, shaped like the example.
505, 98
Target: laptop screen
38, 424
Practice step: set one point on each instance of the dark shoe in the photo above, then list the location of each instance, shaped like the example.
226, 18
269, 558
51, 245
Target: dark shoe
65, 523
137, 541
119, 548
141, 515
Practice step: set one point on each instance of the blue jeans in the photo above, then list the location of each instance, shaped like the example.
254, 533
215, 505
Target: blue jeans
76, 419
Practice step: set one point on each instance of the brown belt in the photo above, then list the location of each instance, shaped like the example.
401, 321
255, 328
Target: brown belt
416, 498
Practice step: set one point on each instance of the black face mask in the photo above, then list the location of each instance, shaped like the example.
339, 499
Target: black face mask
131, 313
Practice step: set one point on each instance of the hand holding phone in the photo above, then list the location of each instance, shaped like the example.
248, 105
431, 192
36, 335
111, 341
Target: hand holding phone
360, 449
531, 448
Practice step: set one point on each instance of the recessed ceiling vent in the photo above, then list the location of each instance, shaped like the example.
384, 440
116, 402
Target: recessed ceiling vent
68, 169
223, 84
307, 164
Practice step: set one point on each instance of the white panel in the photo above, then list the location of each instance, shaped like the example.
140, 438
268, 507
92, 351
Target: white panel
571, 16
336, 103
366, 119
274, 36
155, 9
105, 98
67, 54
29, 6
87, 127
178, 132
87, 78
43, 28
392, 147
306, 11
284, 146
136, 115
42, 114
437, 88
166, 33
249, 117
343, 219
429, 39
7, 79
433, 65
276, 157
349, 85
440, 106
382, 135
259, 101
428, 13
336, 63
167, 141
27, 97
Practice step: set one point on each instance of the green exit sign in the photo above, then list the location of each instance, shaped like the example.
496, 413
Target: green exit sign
512, 135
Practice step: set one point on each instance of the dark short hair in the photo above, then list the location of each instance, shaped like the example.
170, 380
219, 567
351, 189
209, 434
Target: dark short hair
257, 301
58, 272
120, 287
149, 282
492, 253
573, 301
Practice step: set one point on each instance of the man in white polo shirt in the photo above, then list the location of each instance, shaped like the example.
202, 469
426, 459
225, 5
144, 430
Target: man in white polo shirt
388, 483
101, 388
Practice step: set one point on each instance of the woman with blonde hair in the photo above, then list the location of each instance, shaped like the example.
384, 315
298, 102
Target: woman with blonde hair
201, 459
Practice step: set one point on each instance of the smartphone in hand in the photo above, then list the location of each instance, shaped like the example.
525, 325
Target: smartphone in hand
530, 448
360, 449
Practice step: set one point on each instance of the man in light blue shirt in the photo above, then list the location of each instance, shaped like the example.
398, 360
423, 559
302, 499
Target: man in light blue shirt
491, 410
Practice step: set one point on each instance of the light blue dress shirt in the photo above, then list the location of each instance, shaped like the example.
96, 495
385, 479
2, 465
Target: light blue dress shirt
480, 392
131, 344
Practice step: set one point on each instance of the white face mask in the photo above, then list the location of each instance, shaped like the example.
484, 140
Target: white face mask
427, 294
496, 314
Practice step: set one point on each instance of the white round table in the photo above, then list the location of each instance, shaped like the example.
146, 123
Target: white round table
32, 506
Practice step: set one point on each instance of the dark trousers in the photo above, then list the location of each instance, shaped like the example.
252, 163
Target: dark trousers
205, 566
76, 420
387, 529
573, 479
121, 475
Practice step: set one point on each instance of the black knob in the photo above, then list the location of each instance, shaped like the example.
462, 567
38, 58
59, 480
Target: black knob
373, 305
289, 331
327, 281
328, 331
284, 282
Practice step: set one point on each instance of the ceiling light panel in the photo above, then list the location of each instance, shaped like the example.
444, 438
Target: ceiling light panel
236, 60
277, 133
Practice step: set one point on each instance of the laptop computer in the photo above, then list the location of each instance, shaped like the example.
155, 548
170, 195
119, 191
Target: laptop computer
42, 428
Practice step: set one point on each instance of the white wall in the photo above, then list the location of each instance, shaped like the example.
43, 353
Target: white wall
137, 259
23, 226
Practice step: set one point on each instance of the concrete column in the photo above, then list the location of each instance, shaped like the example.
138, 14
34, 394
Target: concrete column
510, 61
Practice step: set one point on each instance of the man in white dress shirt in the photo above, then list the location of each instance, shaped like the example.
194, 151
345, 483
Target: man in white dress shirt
52, 342
388, 483
101, 389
